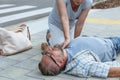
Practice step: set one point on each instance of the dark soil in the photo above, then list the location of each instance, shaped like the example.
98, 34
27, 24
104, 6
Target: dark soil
106, 4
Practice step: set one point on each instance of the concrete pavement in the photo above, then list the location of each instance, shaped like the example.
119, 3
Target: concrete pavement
23, 66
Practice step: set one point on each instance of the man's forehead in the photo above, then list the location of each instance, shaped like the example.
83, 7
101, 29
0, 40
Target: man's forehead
46, 59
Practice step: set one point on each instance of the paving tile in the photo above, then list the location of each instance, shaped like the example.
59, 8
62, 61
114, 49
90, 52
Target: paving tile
1, 57
13, 73
20, 56
36, 74
29, 64
103, 79
37, 57
58, 78
65, 76
28, 78
38, 37
5, 63
103, 30
32, 52
1, 69
106, 13
3, 78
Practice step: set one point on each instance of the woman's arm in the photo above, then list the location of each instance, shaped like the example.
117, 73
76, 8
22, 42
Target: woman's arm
64, 20
80, 22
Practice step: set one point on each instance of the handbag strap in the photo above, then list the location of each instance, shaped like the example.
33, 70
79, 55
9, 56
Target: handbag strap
28, 33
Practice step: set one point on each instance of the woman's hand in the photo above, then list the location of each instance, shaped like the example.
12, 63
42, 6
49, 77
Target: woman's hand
65, 43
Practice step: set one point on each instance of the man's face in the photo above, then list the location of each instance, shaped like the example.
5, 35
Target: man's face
52, 57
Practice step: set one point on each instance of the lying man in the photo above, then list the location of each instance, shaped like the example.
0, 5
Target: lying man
83, 57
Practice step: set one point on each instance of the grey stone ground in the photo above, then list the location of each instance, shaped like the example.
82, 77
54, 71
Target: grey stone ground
24, 66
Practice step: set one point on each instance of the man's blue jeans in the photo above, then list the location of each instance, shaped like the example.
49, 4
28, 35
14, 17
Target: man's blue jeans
116, 43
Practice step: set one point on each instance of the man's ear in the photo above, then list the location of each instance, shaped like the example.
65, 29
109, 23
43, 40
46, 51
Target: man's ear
44, 46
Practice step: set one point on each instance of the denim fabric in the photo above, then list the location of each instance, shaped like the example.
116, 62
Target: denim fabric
116, 43
47, 39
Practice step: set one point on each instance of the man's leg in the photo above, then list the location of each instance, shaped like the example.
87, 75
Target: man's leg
116, 43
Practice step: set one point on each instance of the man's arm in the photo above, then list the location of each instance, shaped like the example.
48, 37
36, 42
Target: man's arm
114, 72
104, 70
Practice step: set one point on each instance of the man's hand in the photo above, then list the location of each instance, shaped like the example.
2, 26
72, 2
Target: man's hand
114, 72
65, 43
44, 46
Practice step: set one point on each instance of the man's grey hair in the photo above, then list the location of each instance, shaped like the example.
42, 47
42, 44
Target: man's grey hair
48, 71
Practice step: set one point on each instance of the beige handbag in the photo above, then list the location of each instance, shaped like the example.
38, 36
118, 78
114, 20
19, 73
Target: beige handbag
13, 43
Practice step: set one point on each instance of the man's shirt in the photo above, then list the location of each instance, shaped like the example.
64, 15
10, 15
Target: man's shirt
104, 48
87, 64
